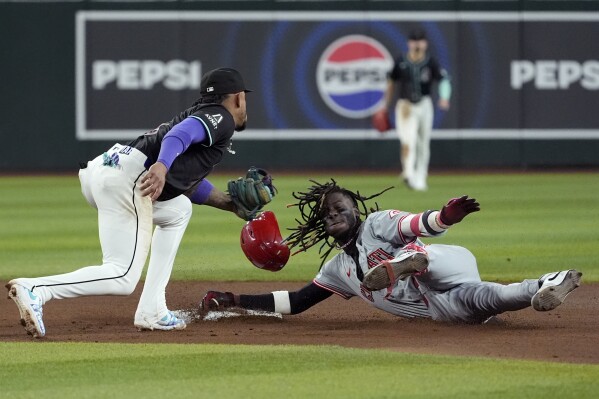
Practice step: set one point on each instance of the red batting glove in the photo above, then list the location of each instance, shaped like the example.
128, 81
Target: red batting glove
457, 209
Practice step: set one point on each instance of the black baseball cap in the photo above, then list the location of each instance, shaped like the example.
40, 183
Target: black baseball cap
222, 81
417, 34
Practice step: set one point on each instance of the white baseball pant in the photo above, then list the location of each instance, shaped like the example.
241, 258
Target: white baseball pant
455, 292
414, 124
125, 221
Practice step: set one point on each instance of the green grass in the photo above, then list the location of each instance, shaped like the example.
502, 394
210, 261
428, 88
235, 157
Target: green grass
529, 224
218, 371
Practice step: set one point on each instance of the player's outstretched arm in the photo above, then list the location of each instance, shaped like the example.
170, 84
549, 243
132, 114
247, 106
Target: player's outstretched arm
457, 209
206, 194
284, 302
220, 200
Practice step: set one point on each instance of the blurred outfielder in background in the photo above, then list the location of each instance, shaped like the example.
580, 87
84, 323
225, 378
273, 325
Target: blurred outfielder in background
413, 75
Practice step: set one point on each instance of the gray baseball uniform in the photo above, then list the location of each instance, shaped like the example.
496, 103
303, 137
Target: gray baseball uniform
449, 290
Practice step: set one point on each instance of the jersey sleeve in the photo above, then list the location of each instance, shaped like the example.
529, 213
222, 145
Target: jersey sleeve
395, 73
401, 228
179, 138
330, 278
217, 121
438, 72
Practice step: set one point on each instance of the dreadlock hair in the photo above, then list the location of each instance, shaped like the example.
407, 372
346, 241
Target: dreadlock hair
311, 229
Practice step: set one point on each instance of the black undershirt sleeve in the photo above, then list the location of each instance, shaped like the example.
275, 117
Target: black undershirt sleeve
257, 302
300, 300
307, 297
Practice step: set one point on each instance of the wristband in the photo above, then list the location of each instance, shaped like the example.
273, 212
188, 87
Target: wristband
202, 191
282, 304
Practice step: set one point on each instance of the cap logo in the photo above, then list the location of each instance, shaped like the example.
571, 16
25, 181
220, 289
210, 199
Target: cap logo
209, 89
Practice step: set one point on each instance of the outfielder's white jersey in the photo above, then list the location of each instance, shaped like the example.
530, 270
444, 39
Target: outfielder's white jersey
450, 289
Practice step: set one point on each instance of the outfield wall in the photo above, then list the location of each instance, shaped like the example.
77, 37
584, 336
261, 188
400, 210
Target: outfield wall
78, 76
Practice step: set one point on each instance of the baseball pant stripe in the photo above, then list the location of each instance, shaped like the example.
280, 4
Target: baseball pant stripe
132, 257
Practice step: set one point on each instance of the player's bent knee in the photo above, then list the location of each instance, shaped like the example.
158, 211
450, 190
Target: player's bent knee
122, 285
125, 287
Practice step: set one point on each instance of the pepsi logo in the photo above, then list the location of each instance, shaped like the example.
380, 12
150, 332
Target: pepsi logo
352, 75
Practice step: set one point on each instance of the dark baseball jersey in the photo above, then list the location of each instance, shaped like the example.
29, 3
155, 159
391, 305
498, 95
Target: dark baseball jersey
190, 167
416, 78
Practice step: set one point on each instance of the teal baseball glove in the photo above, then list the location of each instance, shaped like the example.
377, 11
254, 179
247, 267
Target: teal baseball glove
252, 192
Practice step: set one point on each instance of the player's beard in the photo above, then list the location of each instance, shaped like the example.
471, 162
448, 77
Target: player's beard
240, 128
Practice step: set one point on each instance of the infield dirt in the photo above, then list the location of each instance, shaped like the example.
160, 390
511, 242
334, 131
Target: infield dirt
569, 333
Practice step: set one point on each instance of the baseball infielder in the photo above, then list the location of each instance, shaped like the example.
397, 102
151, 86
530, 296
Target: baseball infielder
151, 181
414, 75
384, 262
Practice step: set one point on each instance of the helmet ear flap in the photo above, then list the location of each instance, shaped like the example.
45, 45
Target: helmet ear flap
262, 243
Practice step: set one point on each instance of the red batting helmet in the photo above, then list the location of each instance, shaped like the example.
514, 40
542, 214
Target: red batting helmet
261, 242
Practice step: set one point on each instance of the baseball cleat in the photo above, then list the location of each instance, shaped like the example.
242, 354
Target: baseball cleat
414, 260
554, 288
214, 300
30, 309
167, 323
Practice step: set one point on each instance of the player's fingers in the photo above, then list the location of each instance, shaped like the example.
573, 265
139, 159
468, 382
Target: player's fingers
155, 195
151, 180
146, 177
148, 186
146, 181
157, 190
457, 200
151, 192
147, 191
470, 201
472, 208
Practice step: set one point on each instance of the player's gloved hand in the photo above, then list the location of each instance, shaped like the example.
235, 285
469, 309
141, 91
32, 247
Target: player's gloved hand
457, 209
380, 121
250, 193
214, 300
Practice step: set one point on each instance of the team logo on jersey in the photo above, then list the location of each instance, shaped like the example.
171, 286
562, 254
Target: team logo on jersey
352, 75
377, 256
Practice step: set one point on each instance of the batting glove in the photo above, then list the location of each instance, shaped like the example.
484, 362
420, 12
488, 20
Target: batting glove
457, 209
214, 300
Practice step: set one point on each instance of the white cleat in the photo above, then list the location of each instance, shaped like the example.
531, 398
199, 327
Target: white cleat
30, 309
555, 287
167, 323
